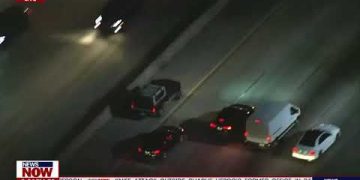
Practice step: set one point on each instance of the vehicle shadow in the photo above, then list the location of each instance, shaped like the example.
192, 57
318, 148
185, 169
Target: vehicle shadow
197, 129
126, 149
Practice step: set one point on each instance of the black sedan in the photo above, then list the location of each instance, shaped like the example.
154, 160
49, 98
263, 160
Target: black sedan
157, 143
115, 14
13, 21
231, 120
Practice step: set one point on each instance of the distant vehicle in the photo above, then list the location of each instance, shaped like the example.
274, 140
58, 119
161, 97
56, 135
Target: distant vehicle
150, 99
115, 14
156, 144
315, 142
232, 119
270, 122
13, 21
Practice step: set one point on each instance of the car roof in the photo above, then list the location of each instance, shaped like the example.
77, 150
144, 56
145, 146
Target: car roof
150, 90
268, 110
313, 134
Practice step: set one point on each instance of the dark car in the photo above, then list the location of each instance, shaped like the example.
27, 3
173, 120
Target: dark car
115, 14
13, 21
232, 120
157, 143
149, 100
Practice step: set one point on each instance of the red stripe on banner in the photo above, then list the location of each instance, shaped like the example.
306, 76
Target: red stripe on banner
30, 1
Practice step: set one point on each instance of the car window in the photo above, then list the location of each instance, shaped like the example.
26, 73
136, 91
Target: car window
323, 137
293, 110
309, 138
159, 95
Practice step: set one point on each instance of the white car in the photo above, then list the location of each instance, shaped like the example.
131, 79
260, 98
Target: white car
315, 142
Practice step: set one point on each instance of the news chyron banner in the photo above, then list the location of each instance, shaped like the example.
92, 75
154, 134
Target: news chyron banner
50, 170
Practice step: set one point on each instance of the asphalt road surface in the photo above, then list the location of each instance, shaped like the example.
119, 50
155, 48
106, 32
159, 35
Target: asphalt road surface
55, 71
304, 52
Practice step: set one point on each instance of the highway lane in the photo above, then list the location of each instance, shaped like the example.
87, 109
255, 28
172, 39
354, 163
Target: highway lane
52, 74
267, 73
308, 57
232, 24
306, 53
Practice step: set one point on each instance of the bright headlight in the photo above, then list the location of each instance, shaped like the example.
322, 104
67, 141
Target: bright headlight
2, 39
98, 19
117, 23
98, 22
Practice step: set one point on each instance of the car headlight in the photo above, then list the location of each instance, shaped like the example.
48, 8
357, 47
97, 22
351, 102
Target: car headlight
98, 22
98, 19
117, 23
2, 39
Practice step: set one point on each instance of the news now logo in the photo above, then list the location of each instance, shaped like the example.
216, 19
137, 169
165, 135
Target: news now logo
37, 170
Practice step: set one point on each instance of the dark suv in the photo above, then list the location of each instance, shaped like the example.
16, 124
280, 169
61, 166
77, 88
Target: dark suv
149, 100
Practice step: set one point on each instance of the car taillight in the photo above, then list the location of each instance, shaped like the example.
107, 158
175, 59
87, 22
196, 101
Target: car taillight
311, 153
133, 105
153, 109
295, 149
257, 121
139, 149
268, 139
221, 120
246, 134
227, 128
212, 125
156, 152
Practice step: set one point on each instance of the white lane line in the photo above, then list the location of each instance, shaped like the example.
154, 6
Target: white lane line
222, 61
261, 75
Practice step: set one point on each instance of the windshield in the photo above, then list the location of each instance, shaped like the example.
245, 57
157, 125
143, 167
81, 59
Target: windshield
230, 115
309, 138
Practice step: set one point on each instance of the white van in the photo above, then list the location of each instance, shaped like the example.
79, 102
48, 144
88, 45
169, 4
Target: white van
270, 122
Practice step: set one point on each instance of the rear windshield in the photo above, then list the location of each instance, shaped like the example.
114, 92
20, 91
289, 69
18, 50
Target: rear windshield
309, 138
144, 102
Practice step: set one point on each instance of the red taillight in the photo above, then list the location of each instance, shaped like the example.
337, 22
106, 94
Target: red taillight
221, 120
227, 128
153, 109
156, 152
295, 149
212, 125
139, 149
268, 139
133, 105
257, 121
311, 152
246, 133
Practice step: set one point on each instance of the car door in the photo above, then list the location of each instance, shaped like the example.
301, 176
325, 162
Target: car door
325, 141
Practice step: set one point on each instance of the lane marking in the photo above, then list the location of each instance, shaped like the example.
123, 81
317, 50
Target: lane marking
261, 75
